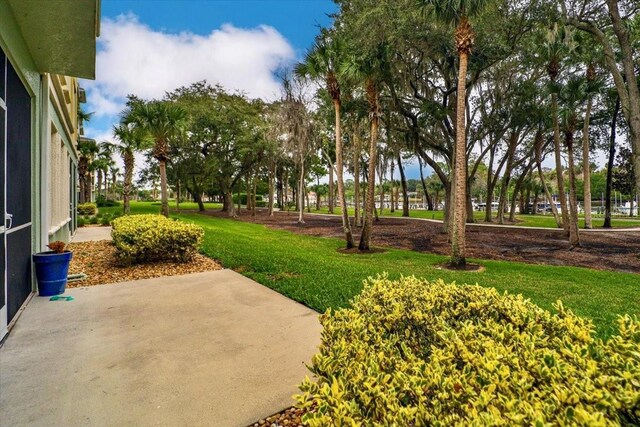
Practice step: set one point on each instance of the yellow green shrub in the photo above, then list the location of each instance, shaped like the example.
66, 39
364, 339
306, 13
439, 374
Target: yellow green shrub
86, 209
143, 238
418, 353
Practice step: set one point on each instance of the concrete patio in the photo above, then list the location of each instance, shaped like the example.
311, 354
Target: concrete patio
213, 348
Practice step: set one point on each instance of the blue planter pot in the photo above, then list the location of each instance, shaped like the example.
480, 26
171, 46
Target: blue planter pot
51, 271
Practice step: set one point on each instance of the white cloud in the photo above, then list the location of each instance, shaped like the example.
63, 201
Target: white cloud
134, 58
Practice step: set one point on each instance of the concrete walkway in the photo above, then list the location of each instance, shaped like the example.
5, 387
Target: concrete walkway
517, 227
205, 349
91, 233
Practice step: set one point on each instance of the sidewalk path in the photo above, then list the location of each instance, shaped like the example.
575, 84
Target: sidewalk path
518, 227
205, 349
90, 234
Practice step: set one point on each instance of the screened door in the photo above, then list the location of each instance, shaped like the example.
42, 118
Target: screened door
3, 135
15, 185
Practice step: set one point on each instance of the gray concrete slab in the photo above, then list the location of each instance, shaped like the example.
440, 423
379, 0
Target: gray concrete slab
210, 349
91, 233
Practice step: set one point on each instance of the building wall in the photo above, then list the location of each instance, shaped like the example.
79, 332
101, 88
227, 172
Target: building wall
63, 157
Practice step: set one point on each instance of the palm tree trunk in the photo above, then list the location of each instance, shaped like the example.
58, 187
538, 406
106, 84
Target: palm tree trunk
547, 193
88, 184
559, 172
586, 167
253, 194
332, 189
405, 193
129, 161
574, 238
458, 248
365, 237
301, 193
163, 188
392, 201
99, 183
612, 153
381, 173
271, 190
346, 226
356, 177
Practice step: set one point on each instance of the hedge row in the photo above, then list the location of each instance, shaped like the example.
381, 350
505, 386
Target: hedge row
143, 238
418, 353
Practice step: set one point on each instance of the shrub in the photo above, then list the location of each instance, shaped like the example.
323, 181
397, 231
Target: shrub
243, 198
81, 221
86, 209
105, 221
412, 352
101, 202
142, 238
93, 220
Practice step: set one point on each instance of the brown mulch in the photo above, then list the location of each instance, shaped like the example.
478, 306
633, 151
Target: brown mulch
615, 251
290, 417
98, 261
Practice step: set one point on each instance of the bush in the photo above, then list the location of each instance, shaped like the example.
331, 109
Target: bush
93, 220
143, 238
411, 352
86, 209
81, 222
243, 198
105, 221
101, 202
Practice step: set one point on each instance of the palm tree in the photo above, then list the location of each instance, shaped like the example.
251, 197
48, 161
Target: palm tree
101, 166
458, 12
161, 121
131, 140
572, 94
555, 45
114, 179
593, 87
323, 61
87, 149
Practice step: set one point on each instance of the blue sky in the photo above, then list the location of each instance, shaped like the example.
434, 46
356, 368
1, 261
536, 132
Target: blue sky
148, 47
296, 20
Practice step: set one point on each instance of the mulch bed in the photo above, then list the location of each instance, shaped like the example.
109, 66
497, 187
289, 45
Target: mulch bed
615, 251
98, 261
290, 417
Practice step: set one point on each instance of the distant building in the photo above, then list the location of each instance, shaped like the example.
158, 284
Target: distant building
44, 47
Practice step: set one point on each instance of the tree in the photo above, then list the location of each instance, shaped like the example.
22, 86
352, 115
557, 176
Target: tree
226, 142
87, 149
572, 94
162, 121
324, 61
131, 140
458, 12
556, 47
624, 176
613, 33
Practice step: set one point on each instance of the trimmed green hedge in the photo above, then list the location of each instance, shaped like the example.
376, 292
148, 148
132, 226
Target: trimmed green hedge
243, 199
414, 353
143, 238
87, 209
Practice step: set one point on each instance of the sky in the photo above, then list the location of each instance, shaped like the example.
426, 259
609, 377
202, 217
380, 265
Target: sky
149, 47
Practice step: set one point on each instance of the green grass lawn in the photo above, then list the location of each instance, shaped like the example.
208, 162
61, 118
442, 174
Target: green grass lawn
545, 221
310, 270
154, 207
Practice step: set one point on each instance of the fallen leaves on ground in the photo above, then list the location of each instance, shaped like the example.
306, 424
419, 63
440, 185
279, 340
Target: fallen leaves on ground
98, 261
